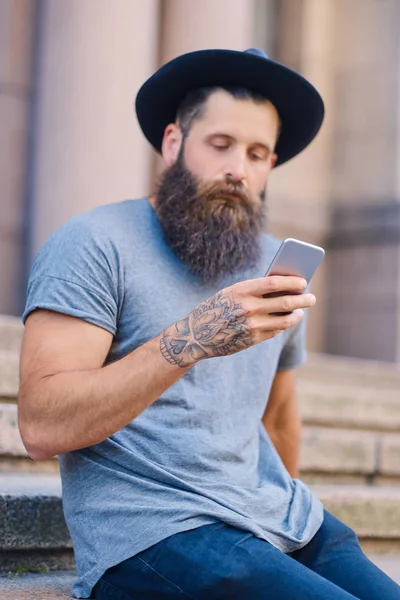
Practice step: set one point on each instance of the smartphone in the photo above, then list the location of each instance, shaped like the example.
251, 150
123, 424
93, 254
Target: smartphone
295, 257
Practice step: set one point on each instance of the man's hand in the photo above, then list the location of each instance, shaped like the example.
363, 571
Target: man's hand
236, 318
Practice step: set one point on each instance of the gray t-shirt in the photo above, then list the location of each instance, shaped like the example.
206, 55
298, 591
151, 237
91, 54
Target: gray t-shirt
199, 454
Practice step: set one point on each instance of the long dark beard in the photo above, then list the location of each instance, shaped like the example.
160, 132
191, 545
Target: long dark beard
213, 234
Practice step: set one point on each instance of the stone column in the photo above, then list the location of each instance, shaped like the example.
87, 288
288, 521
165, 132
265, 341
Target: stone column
188, 26
17, 26
299, 191
364, 267
89, 150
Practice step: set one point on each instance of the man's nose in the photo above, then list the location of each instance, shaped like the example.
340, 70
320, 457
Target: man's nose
235, 171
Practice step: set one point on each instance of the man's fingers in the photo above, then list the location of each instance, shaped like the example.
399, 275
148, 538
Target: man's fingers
283, 303
272, 284
279, 324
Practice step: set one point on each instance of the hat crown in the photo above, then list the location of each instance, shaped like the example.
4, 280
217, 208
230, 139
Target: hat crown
257, 52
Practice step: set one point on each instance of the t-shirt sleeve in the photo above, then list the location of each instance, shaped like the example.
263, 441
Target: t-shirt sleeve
76, 273
294, 352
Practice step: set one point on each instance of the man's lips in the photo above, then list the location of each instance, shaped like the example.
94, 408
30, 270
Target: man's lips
228, 196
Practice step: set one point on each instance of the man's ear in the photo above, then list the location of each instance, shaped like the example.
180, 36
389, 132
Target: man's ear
274, 158
171, 144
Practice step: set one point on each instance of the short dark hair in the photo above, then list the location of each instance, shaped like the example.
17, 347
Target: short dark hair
192, 106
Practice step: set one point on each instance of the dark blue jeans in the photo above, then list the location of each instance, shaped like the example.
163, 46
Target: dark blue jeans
218, 561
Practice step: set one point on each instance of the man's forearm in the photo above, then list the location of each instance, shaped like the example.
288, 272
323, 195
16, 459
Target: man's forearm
287, 443
76, 409
282, 420
283, 425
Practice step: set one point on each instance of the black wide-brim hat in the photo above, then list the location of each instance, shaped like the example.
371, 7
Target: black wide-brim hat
299, 105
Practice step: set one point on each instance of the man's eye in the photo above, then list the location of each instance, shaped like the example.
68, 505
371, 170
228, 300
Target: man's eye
217, 147
255, 156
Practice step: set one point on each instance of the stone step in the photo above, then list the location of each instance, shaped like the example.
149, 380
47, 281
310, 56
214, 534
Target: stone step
329, 368
372, 511
324, 450
14, 465
349, 406
388, 563
9, 374
10, 439
31, 516
341, 451
13, 456
11, 331
333, 402
44, 586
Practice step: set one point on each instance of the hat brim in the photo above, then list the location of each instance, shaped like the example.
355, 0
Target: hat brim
299, 105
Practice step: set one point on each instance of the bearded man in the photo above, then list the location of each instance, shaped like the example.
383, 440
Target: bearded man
155, 366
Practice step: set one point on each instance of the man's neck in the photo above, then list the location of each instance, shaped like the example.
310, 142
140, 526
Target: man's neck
152, 200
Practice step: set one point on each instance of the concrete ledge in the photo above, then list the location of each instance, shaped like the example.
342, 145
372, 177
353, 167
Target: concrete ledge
32, 523
36, 561
373, 512
11, 332
31, 515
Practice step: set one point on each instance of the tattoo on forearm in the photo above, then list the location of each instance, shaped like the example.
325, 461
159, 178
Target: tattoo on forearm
217, 327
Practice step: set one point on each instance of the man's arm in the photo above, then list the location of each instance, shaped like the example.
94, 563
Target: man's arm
67, 399
283, 422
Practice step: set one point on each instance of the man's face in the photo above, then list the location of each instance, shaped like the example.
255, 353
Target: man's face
234, 139
211, 198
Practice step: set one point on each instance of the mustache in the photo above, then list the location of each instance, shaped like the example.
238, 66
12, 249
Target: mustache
222, 188
225, 196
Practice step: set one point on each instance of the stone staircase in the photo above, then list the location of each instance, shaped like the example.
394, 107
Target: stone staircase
351, 415
350, 457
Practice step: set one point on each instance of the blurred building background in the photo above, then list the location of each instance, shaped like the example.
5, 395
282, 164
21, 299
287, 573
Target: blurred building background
69, 72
